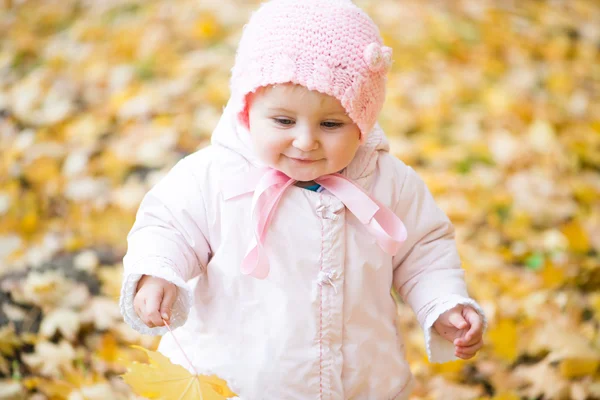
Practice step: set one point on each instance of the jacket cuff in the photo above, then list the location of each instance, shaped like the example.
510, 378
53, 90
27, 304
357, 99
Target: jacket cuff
440, 350
181, 306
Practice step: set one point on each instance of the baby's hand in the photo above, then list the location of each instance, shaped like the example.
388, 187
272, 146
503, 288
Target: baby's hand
153, 300
463, 326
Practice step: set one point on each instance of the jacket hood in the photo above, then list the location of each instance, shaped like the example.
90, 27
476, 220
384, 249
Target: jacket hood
231, 134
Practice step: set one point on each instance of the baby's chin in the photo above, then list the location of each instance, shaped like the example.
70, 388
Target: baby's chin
302, 177
302, 174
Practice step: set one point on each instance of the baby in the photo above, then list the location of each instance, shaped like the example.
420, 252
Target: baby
274, 250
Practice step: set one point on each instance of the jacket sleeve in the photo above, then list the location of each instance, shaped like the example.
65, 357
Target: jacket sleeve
427, 268
168, 240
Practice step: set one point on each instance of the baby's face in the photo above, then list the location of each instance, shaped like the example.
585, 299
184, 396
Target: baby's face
305, 134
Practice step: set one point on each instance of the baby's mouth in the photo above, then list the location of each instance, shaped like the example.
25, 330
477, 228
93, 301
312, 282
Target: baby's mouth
304, 161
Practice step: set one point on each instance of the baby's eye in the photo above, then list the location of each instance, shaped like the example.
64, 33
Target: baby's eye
284, 121
331, 124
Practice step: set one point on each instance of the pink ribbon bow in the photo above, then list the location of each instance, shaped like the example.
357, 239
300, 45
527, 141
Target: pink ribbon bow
269, 185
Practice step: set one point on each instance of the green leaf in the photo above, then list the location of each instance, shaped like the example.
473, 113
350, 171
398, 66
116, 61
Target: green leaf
535, 261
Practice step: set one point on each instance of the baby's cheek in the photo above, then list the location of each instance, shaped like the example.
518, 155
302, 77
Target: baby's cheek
268, 153
342, 158
273, 150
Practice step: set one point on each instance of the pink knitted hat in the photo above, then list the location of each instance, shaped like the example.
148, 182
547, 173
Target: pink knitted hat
330, 46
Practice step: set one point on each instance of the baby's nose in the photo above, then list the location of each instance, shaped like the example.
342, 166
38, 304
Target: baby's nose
306, 141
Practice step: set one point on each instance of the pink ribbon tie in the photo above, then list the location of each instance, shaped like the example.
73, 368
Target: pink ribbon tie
269, 185
383, 223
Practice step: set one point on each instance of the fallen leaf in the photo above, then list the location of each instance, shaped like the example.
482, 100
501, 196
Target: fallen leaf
50, 359
503, 337
578, 368
65, 321
577, 237
162, 379
9, 341
103, 312
543, 379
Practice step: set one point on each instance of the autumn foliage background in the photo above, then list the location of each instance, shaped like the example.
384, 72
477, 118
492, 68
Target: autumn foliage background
495, 103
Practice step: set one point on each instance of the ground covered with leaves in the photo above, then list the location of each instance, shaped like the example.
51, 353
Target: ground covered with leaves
495, 103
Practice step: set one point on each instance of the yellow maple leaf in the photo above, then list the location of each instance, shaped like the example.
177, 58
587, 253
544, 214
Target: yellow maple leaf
161, 379
504, 338
71, 381
506, 396
578, 238
578, 368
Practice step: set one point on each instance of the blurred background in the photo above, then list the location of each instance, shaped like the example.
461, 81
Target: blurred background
495, 103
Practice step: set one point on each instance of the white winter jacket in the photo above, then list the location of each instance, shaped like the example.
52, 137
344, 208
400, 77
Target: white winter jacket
322, 325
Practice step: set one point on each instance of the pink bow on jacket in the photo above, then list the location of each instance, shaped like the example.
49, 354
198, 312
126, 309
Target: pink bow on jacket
269, 185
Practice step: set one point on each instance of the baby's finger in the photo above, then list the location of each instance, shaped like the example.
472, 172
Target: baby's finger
476, 323
152, 310
457, 320
141, 311
148, 323
470, 349
167, 302
146, 320
155, 318
466, 354
468, 341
